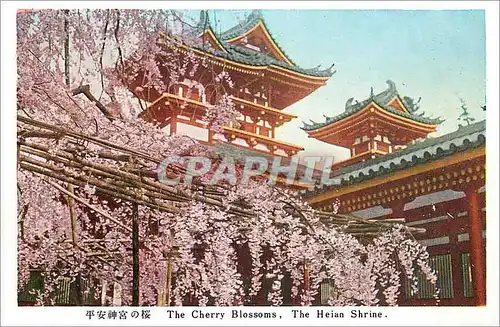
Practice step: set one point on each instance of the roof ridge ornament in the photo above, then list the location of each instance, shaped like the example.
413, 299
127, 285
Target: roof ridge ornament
348, 103
307, 126
255, 14
410, 104
327, 118
392, 86
204, 17
318, 69
204, 22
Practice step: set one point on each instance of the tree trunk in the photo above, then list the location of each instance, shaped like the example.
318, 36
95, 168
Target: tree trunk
66, 47
135, 254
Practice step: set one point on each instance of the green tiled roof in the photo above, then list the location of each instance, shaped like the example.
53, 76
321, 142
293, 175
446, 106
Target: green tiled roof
430, 149
253, 19
382, 100
244, 55
247, 56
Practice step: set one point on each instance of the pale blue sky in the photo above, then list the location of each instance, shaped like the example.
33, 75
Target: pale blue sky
438, 55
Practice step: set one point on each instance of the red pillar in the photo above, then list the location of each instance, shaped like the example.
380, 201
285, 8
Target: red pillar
269, 94
458, 294
477, 247
398, 209
173, 124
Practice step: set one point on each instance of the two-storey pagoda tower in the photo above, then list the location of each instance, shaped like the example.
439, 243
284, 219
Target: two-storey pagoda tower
374, 127
266, 81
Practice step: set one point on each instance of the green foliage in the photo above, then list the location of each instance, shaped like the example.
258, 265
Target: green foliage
465, 115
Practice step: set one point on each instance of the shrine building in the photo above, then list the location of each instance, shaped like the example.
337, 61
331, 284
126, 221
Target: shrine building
397, 171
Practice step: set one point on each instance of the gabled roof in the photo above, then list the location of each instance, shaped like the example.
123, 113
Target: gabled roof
254, 20
430, 149
244, 55
383, 100
241, 54
204, 26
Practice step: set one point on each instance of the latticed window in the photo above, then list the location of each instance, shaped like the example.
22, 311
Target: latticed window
327, 291
34, 285
64, 294
466, 270
286, 289
441, 264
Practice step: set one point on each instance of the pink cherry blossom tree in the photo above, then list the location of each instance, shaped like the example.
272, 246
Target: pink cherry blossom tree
91, 207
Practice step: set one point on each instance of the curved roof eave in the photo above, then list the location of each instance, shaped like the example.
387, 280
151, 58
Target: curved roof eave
428, 150
240, 55
361, 105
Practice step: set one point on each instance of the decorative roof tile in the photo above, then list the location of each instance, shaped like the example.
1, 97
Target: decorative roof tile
382, 100
203, 23
253, 19
243, 55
